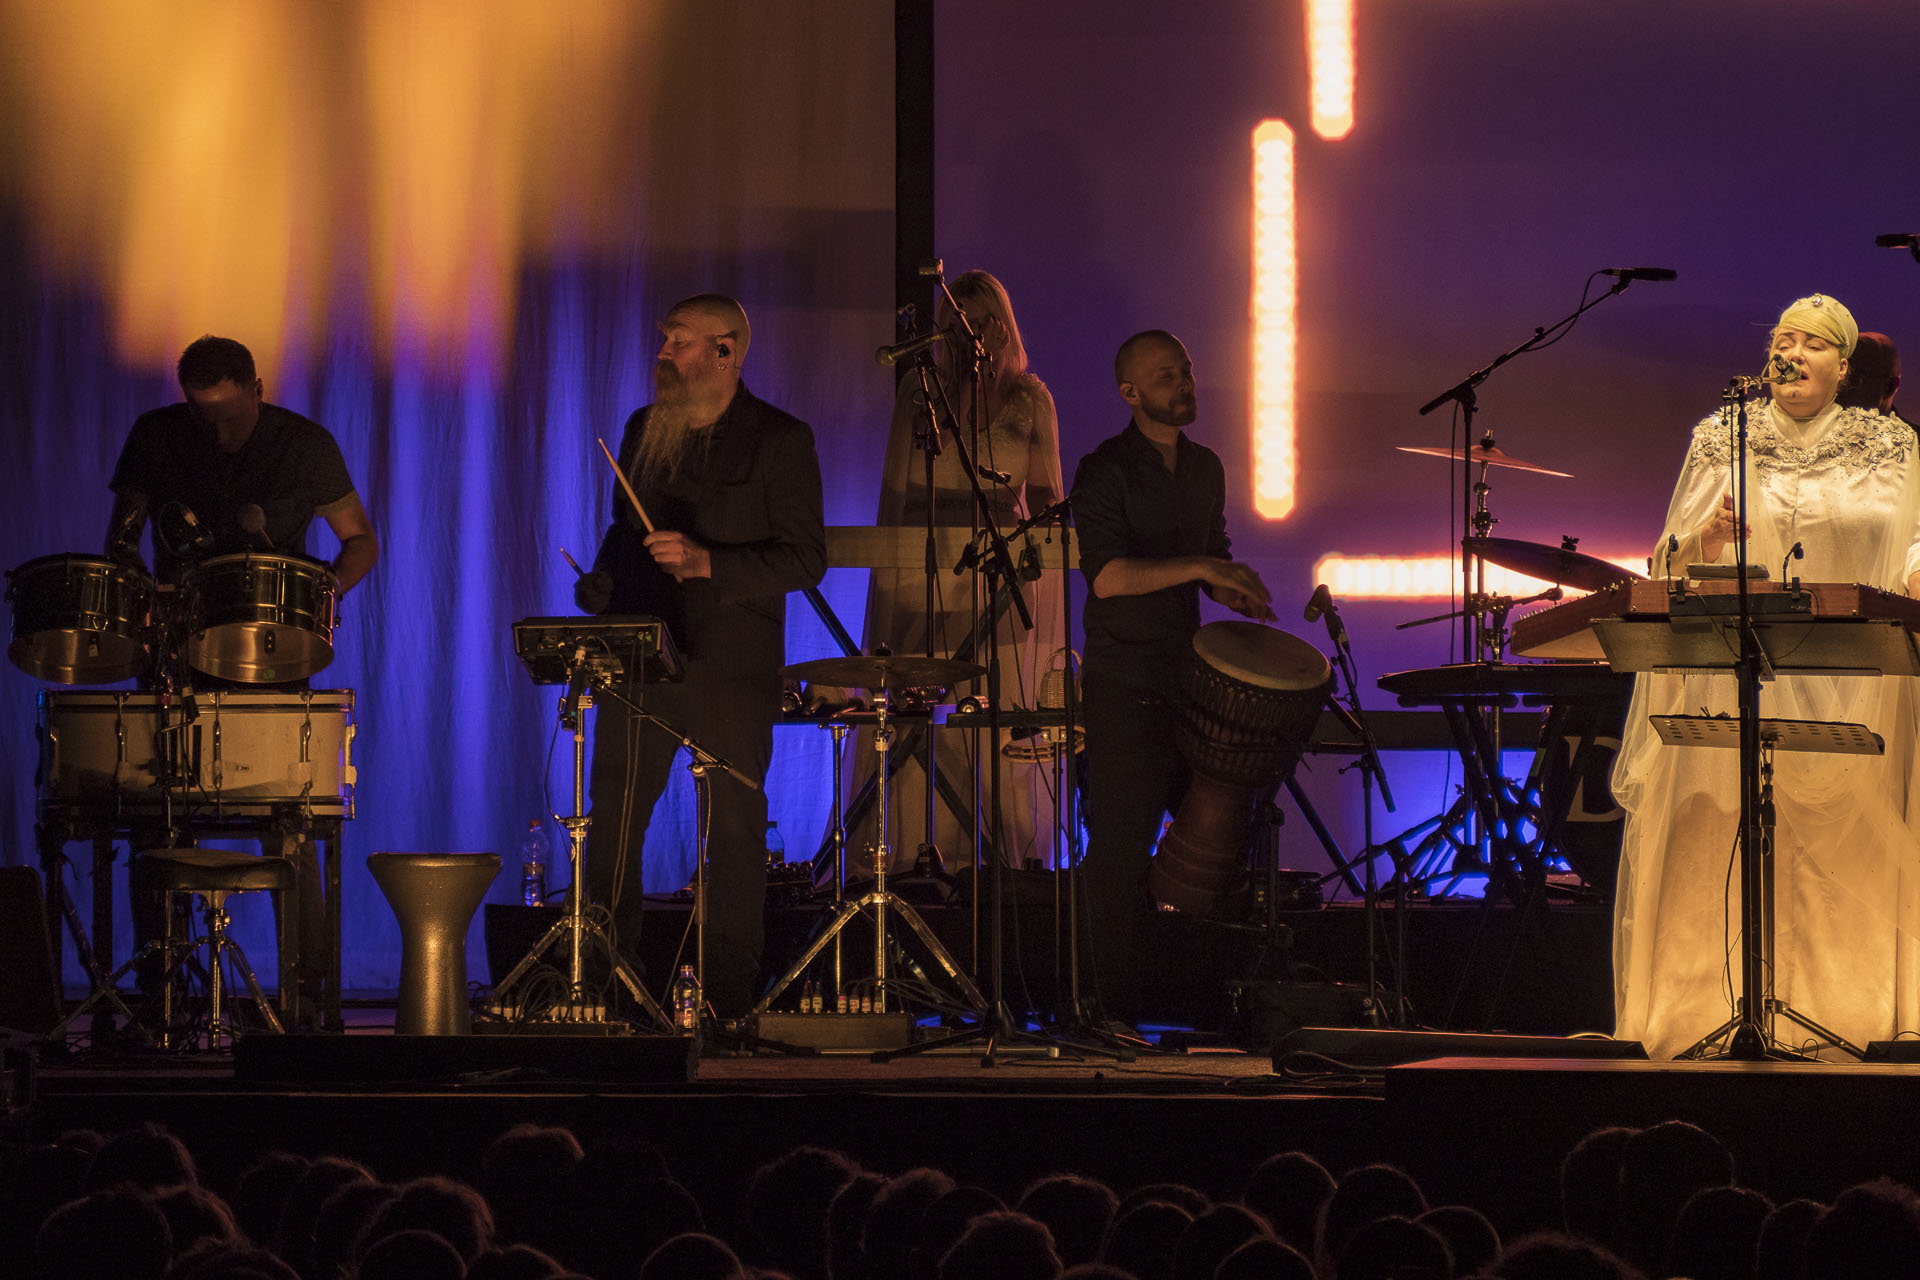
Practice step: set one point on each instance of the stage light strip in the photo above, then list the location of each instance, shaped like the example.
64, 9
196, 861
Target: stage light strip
1427, 577
1274, 310
1330, 66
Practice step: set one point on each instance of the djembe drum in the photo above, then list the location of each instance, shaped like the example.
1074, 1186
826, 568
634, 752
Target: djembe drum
1249, 697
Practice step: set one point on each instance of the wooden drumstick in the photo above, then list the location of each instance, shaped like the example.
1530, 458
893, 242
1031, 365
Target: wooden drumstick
621, 476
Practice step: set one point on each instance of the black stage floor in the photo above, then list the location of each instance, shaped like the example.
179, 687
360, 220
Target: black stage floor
1485, 1131
1477, 1120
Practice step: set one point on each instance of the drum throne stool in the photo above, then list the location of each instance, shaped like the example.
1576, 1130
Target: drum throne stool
212, 876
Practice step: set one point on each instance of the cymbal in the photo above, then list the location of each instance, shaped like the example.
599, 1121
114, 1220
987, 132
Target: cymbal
899, 671
1483, 453
1561, 565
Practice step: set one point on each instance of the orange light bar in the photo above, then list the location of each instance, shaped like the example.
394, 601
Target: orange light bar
1428, 577
1330, 66
1274, 312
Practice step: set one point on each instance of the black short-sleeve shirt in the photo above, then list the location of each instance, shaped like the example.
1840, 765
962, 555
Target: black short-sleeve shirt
289, 467
1127, 504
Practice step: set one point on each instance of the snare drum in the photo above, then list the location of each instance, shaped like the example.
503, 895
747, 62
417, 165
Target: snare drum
79, 619
260, 618
238, 751
1249, 698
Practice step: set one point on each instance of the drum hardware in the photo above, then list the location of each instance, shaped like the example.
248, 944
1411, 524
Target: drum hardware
1465, 395
876, 676
586, 655
1495, 607
1485, 454
1564, 565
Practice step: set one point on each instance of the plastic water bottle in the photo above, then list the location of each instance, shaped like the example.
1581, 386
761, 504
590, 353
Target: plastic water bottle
686, 999
533, 865
776, 846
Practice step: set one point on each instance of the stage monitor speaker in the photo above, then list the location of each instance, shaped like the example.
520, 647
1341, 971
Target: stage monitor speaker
1358, 1047
1893, 1051
29, 992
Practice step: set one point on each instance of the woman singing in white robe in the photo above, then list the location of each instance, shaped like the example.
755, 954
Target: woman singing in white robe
1844, 485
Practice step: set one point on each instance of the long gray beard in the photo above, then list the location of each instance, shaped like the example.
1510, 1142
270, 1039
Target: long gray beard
665, 444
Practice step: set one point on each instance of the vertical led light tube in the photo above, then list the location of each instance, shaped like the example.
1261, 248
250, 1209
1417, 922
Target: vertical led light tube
1330, 66
1273, 308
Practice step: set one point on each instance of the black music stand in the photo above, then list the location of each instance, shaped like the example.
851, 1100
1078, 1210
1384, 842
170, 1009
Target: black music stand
585, 654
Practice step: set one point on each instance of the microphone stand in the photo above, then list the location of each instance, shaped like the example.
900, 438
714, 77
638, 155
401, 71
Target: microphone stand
930, 448
1372, 771
1462, 393
997, 1024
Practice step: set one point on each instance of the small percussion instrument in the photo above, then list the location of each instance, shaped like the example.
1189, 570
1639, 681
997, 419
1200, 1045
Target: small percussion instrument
1248, 699
79, 619
236, 751
260, 618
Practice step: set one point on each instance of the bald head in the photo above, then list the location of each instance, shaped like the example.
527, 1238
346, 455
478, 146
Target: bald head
1156, 380
715, 317
1142, 345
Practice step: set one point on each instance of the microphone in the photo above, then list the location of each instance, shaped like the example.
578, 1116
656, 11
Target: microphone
1322, 603
936, 268
253, 523
1673, 545
1640, 273
998, 477
1057, 511
181, 533
1781, 370
899, 351
1899, 240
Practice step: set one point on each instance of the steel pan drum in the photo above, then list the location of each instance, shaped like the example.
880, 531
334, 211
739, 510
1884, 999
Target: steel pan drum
260, 618
79, 619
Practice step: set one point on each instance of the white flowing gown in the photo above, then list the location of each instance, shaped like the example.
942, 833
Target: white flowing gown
1845, 485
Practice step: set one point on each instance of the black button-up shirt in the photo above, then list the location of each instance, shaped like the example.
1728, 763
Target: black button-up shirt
1127, 504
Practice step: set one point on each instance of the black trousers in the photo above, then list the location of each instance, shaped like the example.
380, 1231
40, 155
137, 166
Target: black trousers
1135, 776
731, 714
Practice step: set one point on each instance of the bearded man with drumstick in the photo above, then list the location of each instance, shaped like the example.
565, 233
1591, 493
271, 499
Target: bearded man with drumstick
722, 519
1149, 507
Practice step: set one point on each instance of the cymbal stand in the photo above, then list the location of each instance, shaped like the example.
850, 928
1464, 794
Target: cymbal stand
576, 926
837, 835
878, 900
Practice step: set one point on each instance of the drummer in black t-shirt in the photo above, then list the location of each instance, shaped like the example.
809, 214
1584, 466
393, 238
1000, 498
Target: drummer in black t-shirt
1149, 506
230, 472
221, 473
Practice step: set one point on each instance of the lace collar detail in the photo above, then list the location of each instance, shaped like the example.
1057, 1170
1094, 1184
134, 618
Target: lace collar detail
1856, 440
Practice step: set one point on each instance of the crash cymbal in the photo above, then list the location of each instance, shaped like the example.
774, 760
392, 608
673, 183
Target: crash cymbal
896, 672
1486, 453
1562, 565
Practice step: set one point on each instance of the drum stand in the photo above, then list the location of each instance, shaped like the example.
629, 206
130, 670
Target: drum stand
878, 900
576, 926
